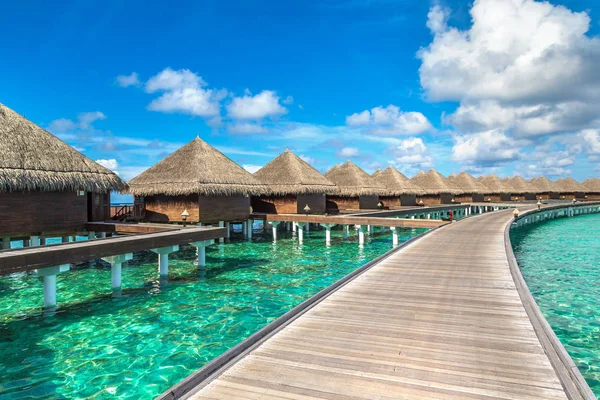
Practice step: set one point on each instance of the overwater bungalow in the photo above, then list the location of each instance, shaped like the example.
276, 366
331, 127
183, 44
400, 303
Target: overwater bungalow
357, 189
399, 190
473, 189
571, 189
197, 178
499, 190
376, 173
47, 188
524, 190
295, 187
438, 189
593, 188
546, 189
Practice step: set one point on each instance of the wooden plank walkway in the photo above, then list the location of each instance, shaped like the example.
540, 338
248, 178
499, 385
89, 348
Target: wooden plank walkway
440, 319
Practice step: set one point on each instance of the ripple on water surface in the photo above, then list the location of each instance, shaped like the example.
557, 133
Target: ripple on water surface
560, 261
138, 344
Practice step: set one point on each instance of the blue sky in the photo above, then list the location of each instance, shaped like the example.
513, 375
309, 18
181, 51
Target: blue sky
486, 86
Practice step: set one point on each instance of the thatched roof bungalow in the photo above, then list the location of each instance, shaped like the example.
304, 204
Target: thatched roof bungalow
570, 189
357, 189
522, 188
473, 189
293, 184
197, 178
399, 190
45, 184
546, 189
438, 189
498, 190
376, 173
593, 188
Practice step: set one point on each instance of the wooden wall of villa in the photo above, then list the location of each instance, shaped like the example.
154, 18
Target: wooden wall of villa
290, 204
398, 201
26, 213
336, 203
469, 198
204, 209
431, 199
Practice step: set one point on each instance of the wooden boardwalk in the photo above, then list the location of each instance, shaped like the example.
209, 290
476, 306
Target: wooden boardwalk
440, 319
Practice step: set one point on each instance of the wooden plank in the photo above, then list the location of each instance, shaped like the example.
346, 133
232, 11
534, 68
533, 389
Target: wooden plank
439, 319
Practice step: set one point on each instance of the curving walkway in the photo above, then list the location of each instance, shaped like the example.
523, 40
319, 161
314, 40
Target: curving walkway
440, 319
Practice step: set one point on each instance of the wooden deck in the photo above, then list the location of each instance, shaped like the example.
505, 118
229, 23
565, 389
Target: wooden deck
439, 319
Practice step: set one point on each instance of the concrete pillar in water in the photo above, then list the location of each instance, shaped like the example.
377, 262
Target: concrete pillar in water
250, 228
228, 228
5, 243
91, 235
34, 241
346, 231
361, 234
116, 263
222, 225
300, 230
275, 225
293, 227
66, 239
101, 235
201, 246
394, 236
49, 275
163, 258
369, 229
328, 232
307, 227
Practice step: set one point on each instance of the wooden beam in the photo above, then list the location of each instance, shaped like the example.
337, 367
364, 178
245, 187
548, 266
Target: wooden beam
130, 228
29, 258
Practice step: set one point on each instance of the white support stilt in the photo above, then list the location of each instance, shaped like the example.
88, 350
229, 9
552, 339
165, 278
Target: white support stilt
5, 243
163, 258
34, 241
394, 236
221, 225
369, 229
228, 228
116, 263
300, 230
293, 227
49, 275
361, 234
201, 246
91, 235
307, 227
250, 229
328, 232
346, 231
244, 228
66, 239
275, 225
101, 235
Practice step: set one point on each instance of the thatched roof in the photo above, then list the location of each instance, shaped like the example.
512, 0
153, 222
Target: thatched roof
199, 168
435, 183
31, 158
289, 174
396, 184
377, 173
467, 183
521, 185
353, 181
570, 185
592, 184
496, 185
544, 185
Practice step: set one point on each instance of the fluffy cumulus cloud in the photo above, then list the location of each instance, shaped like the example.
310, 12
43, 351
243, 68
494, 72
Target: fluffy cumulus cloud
251, 168
246, 128
128, 80
183, 91
411, 155
263, 105
110, 163
348, 152
525, 71
390, 121
83, 125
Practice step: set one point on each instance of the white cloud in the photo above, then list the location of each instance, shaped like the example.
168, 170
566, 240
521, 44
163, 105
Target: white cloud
288, 100
410, 155
308, 159
246, 128
128, 173
128, 80
485, 148
61, 125
64, 126
110, 163
87, 118
263, 105
184, 92
437, 19
348, 152
591, 139
252, 168
390, 121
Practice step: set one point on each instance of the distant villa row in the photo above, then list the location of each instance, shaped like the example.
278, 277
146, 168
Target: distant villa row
48, 186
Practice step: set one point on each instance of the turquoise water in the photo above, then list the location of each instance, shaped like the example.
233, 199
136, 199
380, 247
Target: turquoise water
560, 261
137, 343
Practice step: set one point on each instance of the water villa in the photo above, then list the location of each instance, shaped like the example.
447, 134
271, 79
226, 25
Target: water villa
499, 190
197, 178
522, 187
47, 188
399, 190
357, 189
295, 187
593, 188
473, 189
571, 189
546, 189
438, 189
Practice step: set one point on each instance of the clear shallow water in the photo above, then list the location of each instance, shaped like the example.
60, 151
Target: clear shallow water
560, 261
154, 334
